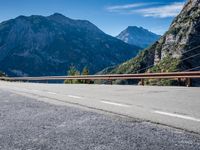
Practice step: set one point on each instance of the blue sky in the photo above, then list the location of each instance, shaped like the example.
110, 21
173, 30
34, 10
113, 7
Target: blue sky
111, 16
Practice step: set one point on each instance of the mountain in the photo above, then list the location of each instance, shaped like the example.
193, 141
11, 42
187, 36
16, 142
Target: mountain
138, 36
177, 50
39, 46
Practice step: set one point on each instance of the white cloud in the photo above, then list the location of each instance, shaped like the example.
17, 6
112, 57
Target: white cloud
147, 10
117, 8
171, 10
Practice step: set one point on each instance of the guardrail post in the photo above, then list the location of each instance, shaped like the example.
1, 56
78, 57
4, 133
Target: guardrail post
110, 81
142, 82
179, 81
188, 82
91, 81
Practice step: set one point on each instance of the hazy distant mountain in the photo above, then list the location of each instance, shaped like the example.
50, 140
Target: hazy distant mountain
177, 50
37, 45
138, 36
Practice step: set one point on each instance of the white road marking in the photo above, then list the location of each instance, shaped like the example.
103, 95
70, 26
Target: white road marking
177, 116
73, 96
116, 104
21, 89
27, 90
52, 93
35, 90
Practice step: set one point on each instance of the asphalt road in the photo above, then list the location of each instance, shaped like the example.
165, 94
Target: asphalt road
29, 124
173, 106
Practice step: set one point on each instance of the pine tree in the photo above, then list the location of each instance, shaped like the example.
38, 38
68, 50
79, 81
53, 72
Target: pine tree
72, 72
85, 72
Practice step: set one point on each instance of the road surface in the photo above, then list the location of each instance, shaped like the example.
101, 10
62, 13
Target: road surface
174, 106
50, 116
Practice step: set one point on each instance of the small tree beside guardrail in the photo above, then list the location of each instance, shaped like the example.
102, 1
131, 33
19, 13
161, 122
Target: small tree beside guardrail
74, 72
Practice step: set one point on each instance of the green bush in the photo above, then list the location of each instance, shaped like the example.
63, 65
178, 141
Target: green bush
168, 64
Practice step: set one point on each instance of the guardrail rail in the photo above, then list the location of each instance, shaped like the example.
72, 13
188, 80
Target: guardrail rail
187, 76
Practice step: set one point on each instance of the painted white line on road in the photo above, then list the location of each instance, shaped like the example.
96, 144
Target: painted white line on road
116, 104
73, 96
21, 89
27, 90
35, 90
52, 93
177, 116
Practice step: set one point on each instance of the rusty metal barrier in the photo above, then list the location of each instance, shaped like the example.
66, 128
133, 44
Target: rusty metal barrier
170, 75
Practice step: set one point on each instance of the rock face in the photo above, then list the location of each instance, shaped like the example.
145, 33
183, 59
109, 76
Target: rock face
37, 46
138, 36
177, 50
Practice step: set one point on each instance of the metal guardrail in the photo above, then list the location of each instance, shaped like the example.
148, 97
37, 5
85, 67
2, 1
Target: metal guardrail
170, 75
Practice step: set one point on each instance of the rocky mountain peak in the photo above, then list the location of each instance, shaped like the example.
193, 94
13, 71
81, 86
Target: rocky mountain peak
58, 15
60, 18
135, 35
135, 28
